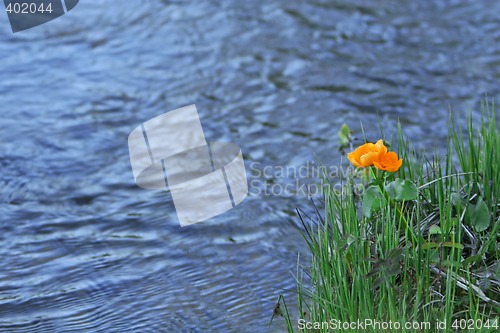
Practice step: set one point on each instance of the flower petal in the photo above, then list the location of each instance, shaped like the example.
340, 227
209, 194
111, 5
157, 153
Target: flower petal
388, 162
381, 147
354, 159
369, 158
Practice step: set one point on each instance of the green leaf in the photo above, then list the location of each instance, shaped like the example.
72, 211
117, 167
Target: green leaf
451, 263
402, 190
435, 230
454, 245
429, 245
345, 130
373, 201
479, 215
345, 242
384, 269
344, 135
376, 182
471, 260
433, 245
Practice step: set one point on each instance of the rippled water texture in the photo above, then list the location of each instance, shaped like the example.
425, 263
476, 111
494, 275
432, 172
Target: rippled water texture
83, 249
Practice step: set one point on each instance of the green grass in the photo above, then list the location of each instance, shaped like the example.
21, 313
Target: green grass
435, 258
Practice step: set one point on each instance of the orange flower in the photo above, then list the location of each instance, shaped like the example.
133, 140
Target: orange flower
366, 154
388, 162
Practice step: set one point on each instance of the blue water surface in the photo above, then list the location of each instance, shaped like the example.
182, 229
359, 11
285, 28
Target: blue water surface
83, 249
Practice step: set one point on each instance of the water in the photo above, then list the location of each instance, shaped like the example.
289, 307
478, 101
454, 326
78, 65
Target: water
82, 249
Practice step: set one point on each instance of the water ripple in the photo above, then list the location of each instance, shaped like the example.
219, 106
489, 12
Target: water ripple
85, 250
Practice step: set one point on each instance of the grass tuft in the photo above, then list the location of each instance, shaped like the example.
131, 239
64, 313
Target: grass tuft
432, 262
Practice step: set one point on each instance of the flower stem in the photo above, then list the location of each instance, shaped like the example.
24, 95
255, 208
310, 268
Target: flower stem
380, 179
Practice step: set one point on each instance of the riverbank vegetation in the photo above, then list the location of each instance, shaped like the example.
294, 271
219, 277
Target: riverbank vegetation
411, 240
